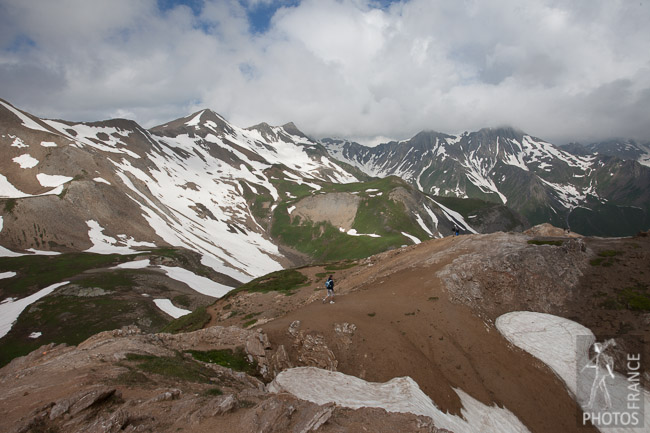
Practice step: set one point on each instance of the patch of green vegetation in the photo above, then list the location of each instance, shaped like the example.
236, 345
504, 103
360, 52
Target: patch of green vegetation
250, 323
410, 314
182, 300
371, 314
322, 275
10, 204
609, 253
108, 280
233, 359
247, 404
51, 269
611, 304
251, 315
377, 215
178, 367
213, 392
73, 319
596, 262
630, 298
132, 377
285, 281
635, 299
433, 298
540, 242
194, 321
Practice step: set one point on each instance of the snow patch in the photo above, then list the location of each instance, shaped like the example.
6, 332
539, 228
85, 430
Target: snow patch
101, 180
422, 224
35, 335
196, 119
27, 122
10, 309
353, 232
171, 309
564, 345
43, 253
19, 143
52, 180
48, 144
135, 264
401, 394
26, 161
412, 238
5, 275
103, 244
455, 216
203, 285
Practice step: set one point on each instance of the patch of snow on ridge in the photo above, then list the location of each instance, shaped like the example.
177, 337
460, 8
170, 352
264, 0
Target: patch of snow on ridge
43, 253
26, 161
4, 275
353, 232
198, 283
7, 190
401, 394
52, 180
101, 180
27, 122
171, 309
422, 224
196, 119
412, 238
564, 345
455, 216
4, 252
103, 244
135, 264
11, 309
35, 335
48, 144
18, 142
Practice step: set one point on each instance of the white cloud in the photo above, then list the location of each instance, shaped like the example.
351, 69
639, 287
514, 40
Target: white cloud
559, 70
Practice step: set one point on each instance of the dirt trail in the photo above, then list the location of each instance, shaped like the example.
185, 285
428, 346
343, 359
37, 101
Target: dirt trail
406, 326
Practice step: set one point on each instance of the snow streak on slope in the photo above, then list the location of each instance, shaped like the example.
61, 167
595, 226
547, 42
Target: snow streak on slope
26, 121
401, 394
168, 307
10, 309
455, 216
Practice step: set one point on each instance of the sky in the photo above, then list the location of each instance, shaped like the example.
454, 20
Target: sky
368, 70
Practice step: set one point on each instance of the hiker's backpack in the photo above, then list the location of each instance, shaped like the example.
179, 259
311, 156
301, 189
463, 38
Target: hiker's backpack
329, 284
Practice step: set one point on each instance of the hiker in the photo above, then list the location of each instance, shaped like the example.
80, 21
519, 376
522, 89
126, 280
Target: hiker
456, 230
329, 285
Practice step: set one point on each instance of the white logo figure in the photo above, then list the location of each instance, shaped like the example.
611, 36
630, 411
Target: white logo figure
603, 364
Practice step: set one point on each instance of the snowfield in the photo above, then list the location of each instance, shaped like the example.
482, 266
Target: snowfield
564, 345
401, 394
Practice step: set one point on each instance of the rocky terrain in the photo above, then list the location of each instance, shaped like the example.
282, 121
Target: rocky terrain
425, 313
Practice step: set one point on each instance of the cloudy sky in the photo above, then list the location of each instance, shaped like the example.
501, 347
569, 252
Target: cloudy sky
561, 70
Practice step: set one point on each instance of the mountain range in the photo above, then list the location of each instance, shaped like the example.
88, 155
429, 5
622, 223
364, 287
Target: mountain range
250, 200
593, 194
